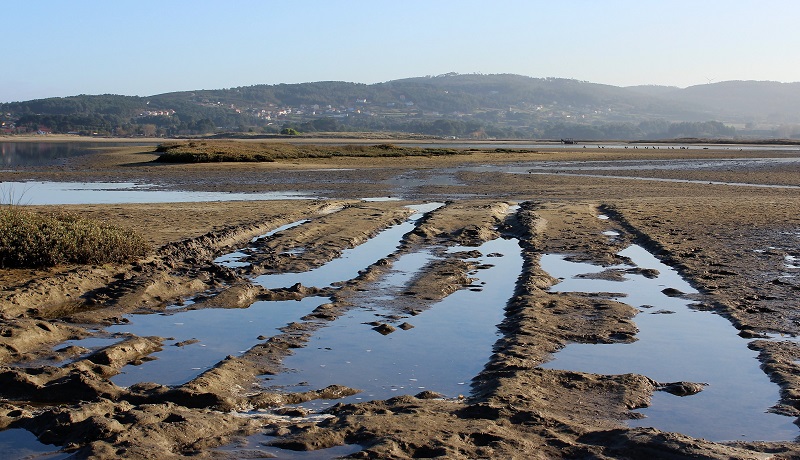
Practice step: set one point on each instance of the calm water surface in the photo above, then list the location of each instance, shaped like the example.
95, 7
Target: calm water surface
48, 153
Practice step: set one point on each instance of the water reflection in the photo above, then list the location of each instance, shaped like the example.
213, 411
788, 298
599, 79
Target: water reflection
199, 339
20, 443
50, 193
48, 153
685, 345
448, 345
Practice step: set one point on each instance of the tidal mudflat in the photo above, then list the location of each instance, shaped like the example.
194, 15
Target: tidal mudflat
429, 321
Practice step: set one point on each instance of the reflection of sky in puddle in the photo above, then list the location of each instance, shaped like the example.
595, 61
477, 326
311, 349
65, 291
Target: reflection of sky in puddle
91, 343
280, 229
20, 443
448, 346
234, 259
40, 193
778, 337
404, 269
381, 198
688, 345
353, 260
221, 332
257, 442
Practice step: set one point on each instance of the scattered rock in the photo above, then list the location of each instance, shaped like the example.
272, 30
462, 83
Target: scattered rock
384, 328
427, 394
672, 292
681, 388
292, 411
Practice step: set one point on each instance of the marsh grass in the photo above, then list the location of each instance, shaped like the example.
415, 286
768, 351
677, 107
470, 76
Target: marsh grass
31, 239
231, 151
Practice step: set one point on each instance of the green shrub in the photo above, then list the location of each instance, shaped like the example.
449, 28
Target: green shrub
30, 239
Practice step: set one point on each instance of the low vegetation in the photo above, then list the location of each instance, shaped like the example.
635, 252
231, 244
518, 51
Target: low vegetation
31, 239
218, 151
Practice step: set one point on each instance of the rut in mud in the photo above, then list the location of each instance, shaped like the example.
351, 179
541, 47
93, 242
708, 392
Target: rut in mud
465, 270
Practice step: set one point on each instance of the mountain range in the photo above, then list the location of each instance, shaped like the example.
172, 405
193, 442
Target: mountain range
462, 105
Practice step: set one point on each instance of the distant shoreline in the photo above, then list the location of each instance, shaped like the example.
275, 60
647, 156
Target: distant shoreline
75, 138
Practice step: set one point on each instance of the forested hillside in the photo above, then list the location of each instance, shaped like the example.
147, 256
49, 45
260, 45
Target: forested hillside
450, 105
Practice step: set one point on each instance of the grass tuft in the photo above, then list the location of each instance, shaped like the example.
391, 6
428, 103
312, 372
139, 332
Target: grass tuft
30, 239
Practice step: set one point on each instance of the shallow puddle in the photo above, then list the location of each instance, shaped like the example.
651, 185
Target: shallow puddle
199, 339
449, 344
352, 261
677, 343
256, 446
236, 259
281, 229
232, 260
20, 443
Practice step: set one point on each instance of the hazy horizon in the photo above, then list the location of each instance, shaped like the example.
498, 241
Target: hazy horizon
146, 47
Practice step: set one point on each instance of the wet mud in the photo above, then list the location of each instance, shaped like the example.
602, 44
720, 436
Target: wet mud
735, 246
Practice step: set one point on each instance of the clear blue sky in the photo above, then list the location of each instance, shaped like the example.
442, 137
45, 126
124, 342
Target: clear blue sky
145, 47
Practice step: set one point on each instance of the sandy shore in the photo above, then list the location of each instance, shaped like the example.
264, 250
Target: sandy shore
731, 242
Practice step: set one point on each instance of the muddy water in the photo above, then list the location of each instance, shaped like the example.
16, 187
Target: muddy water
199, 339
677, 343
448, 345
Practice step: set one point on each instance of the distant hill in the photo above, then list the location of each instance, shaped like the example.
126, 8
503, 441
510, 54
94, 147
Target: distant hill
736, 101
452, 105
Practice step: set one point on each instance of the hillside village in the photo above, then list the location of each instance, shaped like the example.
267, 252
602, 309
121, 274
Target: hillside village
451, 105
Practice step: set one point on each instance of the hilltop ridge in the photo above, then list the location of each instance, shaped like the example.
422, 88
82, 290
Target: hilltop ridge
449, 105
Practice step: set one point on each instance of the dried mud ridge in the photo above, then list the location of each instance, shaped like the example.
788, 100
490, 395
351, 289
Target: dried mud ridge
516, 409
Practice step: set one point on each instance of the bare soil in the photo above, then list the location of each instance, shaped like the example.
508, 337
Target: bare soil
730, 242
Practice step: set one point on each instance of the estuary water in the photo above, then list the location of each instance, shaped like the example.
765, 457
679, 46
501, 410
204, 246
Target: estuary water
47, 153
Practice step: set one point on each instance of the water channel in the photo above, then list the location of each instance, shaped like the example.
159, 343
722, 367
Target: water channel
199, 339
351, 261
447, 346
